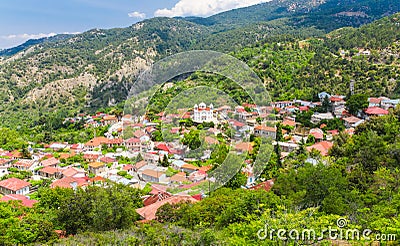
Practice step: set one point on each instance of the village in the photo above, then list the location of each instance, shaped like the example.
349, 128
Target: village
131, 154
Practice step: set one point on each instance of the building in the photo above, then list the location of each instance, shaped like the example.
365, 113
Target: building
151, 175
26, 202
202, 113
317, 117
96, 167
323, 147
265, 131
50, 172
14, 186
352, 122
51, 162
26, 165
149, 212
375, 111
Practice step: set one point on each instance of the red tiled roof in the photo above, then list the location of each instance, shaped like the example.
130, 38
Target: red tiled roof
50, 162
162, 146
149, 212
156, 198
14, 184
351, 119
16, 197
67, 182
140, 164
375, 100
267, 185
265, 128
322, 147
376, 111
95, 142
133, 140
50, 170
127, 167
106, 159
69, 172
244, 146
179, 177
289, 123
190, 167
152, 173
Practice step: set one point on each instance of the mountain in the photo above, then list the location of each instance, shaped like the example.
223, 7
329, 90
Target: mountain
95, 69
322, 14
31, 42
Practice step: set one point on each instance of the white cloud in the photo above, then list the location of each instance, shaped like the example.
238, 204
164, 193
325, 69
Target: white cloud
205, 7
137, 15
13, 40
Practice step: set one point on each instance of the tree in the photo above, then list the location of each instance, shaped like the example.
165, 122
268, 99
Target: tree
356, 103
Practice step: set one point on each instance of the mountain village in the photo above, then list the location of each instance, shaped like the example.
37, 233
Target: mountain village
130, 154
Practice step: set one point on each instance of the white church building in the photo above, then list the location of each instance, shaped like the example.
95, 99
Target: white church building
202, 113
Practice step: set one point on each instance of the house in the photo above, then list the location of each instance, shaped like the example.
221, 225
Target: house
110, 119
197, 176
115, 142
202, 113
210, 140
133, 144
352, 121
72, 172
267, 185
96, 167
189, 168
58, 146
5, 162
237, 125
26, 202
318, 134
390, 103
51, 162
179, 178
91, 157
282, 104
139, 165
323, 95
287, 146
14, 186
243, 147
26, 165
323, 147
156, 198
375, 111
317, 117
265, 131
50, 172
151, 175
95, 143
149, 212
177, 164
108, 160
69, 182
374, 102
128, 168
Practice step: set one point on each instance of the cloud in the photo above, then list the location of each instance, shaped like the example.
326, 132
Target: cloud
12, 40
205, 7
137, 15
34, 36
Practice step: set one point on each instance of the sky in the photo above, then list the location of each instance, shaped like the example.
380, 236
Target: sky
21, 20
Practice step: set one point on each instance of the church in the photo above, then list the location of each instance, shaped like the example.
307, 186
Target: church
202, 113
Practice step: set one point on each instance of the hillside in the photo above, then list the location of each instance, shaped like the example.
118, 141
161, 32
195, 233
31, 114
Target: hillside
94, 69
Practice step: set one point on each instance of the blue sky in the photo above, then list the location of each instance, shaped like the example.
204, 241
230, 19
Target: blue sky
21, 20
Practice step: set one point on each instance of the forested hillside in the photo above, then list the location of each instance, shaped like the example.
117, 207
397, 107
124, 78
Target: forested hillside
289, 50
